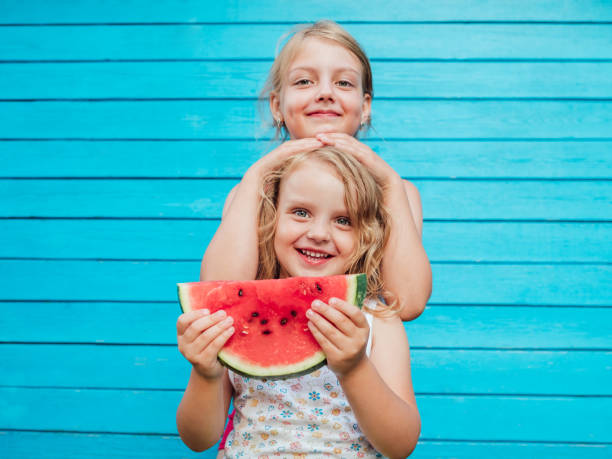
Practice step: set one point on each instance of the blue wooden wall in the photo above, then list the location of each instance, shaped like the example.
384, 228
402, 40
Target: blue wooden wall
123, 125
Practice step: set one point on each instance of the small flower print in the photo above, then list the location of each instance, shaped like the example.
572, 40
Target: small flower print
328, 386
355, 447
246, 436
314, 395
313, 427
295, 445
286, 413
296, 387
317, 411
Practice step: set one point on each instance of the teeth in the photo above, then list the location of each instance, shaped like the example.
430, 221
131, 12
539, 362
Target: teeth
314, 254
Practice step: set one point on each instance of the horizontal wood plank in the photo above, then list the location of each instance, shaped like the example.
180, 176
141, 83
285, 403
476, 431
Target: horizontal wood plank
443, 417
508, 284
257, 41
240, 120
25, 445
212, 79
454, 327
433, 371
165, 11
231, 158
441, 199
187, 239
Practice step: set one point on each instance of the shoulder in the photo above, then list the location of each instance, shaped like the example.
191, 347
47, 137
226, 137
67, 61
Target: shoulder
411, 191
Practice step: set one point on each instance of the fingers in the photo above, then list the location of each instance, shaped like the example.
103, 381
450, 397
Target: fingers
205, 322
344, 316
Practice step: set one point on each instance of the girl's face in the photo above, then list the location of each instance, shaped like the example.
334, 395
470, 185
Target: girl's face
314, 236
322, 91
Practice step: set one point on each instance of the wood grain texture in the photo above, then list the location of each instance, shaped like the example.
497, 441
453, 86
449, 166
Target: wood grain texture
445, 371
115, 11
244, 79
240, 120
503, 417
441, 199
24, 445
467, 326
410, 158
542, 242
257, 41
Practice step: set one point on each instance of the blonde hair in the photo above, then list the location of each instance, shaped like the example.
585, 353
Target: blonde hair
327, 30
364, 202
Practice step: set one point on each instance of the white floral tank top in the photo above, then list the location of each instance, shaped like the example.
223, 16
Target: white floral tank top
307, 416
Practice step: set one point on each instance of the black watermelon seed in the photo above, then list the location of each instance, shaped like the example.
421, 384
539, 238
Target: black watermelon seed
318, 287
255, 314
266, 332
240, 292
293, 313
283, 321
264, 321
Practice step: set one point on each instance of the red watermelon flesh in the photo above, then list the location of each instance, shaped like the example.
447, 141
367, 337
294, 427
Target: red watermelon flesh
272, 339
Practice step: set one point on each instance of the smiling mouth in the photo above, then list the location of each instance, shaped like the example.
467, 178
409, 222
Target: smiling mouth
324, 114
312, 257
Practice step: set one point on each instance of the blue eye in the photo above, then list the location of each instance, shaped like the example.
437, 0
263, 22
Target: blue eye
344, 221
300, 213
303, 82
345, 83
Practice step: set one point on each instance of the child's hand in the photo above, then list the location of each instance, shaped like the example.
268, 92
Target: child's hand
201, 336
341, 330
364, 154
284, 151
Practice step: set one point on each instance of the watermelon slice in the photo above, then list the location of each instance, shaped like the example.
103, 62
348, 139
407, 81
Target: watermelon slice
271, 338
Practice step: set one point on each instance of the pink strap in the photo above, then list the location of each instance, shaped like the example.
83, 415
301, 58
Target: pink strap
228, 428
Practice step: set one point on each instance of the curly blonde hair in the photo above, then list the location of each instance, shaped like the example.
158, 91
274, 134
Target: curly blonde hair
364, 202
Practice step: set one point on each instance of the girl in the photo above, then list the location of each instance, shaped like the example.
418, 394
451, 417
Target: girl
320, 93
321, 214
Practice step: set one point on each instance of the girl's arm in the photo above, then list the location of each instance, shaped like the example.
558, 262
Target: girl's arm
201, 415
379, 387
232, 253
406, 270
379, 390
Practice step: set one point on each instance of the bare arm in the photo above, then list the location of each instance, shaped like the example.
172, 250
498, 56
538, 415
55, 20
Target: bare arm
387, 412
406, 269
232, 253
201, 415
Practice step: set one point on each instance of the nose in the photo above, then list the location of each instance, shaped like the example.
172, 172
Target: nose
318, 231
326, 90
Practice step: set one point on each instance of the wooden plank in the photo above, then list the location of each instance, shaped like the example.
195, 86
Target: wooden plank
59, 445
240, 120
547, 242
231, 158
448, 371
456, 327
441, 199
257, 41
25, 445
212, 79
99, 11
518, 418
507, 284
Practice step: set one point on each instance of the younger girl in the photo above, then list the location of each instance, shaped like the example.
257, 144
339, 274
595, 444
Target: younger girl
320, 93
321, 214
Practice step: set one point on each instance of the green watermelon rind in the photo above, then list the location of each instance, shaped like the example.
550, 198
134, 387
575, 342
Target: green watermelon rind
355, 294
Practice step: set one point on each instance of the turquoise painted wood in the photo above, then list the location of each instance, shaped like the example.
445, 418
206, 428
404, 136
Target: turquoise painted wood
123, 125
444, 241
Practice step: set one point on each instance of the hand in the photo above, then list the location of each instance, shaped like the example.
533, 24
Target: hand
384, 174
284, 151
201, 336
341, 330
